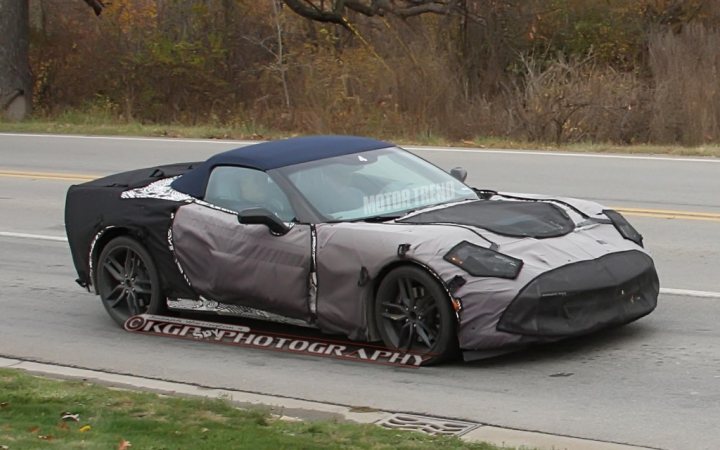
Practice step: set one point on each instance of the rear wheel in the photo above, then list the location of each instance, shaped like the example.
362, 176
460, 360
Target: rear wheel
413, 314
128, 281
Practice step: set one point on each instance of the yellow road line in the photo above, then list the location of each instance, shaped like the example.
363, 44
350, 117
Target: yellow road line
669, 214
47, 175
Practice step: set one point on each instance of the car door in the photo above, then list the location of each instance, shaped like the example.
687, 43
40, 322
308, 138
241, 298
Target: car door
244, 264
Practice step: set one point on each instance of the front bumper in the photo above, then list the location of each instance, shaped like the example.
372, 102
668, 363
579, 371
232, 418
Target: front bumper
583, 297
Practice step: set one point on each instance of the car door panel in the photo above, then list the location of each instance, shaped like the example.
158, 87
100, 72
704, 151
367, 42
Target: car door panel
243, 264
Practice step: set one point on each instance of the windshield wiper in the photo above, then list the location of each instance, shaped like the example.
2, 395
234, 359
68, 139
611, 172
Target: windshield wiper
399, 214
382, 217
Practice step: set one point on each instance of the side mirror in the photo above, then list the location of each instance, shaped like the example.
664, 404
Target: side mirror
261, 216
459, 173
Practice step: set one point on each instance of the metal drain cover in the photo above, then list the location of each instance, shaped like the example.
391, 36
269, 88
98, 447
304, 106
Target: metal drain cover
429, 425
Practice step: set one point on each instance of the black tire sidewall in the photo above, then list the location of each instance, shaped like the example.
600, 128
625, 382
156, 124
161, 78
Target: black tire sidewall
447, 343
157, 301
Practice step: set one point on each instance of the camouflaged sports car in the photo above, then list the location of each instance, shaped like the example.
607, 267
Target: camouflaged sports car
358, 237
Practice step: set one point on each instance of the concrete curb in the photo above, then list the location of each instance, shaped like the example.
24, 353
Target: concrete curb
296, 409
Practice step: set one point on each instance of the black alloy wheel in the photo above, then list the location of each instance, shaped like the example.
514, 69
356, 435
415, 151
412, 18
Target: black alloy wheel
127, 280
414, 315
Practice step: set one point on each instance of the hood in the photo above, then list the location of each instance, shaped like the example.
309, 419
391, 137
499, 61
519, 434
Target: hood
535, 219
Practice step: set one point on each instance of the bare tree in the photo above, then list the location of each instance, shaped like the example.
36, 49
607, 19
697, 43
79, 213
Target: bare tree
334, 11
280, 62
15, 77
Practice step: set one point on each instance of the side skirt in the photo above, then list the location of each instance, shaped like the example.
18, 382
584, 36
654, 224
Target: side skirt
204, 305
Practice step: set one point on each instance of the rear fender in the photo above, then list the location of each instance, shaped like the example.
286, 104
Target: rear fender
101, 239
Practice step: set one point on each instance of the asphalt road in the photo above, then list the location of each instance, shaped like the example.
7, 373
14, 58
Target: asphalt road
654, 383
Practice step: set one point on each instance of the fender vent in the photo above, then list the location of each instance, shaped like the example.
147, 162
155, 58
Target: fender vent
430, 425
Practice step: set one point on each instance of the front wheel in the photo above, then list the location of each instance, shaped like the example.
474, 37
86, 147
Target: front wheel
128, 281
413, 314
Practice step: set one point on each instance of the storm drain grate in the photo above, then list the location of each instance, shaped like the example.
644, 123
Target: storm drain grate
430, 425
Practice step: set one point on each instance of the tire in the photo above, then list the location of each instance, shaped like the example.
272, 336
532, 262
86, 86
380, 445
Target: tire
413, 314
127, 280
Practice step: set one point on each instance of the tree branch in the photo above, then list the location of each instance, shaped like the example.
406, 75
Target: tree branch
96, 5
363, 8
408, 8
335, 9
310, 11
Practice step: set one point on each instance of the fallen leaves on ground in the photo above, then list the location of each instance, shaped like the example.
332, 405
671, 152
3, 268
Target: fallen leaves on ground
68, 416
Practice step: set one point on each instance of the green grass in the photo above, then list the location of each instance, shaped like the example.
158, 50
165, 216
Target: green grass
91, 124
31, 409
107, 125
711, 150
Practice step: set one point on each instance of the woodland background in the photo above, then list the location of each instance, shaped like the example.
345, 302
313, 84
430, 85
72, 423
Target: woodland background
618, 71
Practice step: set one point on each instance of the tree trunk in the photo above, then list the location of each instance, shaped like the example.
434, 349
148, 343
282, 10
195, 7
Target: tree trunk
15, 78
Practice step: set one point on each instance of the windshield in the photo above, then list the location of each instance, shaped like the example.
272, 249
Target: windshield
379, 183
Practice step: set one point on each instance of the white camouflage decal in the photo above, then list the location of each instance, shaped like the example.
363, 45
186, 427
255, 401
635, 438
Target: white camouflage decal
160, 189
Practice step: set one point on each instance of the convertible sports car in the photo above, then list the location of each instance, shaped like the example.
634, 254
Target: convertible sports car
357, 236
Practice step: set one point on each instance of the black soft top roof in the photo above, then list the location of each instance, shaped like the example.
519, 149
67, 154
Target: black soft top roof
275, 154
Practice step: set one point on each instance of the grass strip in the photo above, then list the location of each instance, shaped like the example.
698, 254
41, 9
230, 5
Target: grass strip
86, 124
41, 413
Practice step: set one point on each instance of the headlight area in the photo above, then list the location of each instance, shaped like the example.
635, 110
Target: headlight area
483, 262
623, 226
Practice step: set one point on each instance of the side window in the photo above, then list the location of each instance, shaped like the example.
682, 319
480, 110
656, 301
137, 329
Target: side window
239, 188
